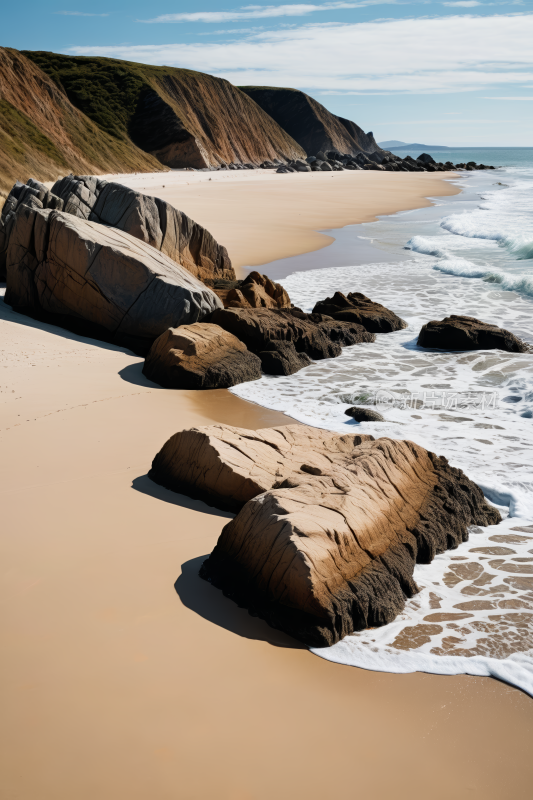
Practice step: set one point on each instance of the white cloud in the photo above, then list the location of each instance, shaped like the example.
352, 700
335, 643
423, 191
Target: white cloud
264, 12
507, 98
425, 55
465, 3
78, 14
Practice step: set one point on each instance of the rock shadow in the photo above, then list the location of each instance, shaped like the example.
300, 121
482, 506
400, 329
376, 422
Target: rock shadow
133, 373
145, 485
202, 598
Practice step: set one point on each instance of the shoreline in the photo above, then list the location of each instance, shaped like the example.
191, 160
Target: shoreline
260, 216
124, 674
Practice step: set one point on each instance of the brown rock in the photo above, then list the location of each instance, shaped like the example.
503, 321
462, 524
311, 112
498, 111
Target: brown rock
313, 334
226, 466
355, 307
255, 291
330, 526
98, 281
149, 219
467, 333
200, 356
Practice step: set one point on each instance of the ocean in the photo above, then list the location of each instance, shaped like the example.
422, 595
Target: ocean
467, 254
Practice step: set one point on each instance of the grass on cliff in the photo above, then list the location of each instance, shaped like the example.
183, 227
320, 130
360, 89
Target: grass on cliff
106, 90
18, 134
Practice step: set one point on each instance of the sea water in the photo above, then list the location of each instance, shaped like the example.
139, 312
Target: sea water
469, 254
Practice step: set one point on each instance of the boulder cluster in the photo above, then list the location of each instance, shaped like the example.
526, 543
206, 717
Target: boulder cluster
332, 161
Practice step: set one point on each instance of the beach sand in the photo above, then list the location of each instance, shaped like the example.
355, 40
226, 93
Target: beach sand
261, 216
123, 674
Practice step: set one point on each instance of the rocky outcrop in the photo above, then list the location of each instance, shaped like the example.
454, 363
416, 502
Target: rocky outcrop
97, 280
313, 335
200, 356
149, 219
309, 123
468, 333
329, 528
181, 117
255, 291
360, 414
226, 466
355, 307
42, 133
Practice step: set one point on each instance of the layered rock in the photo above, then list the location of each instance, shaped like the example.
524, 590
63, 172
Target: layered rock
255, 291
313, 335
309, 123
329, 528
200, 356
42, 132
355, 307
181, 117
226, 466
97, 280
149, 219
468, 333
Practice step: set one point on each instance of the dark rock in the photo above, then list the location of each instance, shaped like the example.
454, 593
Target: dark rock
282, 358
200, 356
325, 167
313, 334
425, 158
467, 333
255, 291
355, 307
360, 414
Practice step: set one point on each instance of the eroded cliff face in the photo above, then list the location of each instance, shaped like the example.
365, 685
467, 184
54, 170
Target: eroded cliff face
181, 117
42, 134
310, 123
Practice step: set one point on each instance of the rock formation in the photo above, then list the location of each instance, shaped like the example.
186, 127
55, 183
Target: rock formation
329, 528
263, 330
42, 133
200, 356
467, 333
255, 291
97, 280
360, 414
309, 123
150, 219
181, 117
355, 307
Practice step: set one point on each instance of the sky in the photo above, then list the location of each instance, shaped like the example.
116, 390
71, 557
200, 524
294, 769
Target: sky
458, 72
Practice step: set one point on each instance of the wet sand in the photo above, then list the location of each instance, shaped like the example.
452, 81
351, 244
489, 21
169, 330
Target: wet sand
125, 675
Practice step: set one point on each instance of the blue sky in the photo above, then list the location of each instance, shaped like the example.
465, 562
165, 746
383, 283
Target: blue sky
458, 72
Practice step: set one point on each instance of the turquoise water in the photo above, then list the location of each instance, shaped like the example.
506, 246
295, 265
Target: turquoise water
491, 156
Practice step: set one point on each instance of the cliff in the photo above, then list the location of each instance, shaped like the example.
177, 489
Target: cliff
309, 123
43, 135
183, 118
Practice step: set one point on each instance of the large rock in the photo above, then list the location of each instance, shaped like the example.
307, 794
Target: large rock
330, 526
355, 307
255, 291
467, 333
149, 219
200, 356
226, 466
314, 335
98, 281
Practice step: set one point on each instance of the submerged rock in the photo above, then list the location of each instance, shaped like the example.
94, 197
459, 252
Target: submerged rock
98, 281
468, 333
329, 528
355, 307
200, 356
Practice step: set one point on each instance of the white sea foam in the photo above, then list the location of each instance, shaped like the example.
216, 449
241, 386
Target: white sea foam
484, 600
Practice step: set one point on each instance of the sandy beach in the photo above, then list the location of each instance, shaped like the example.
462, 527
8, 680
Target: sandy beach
126, 676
